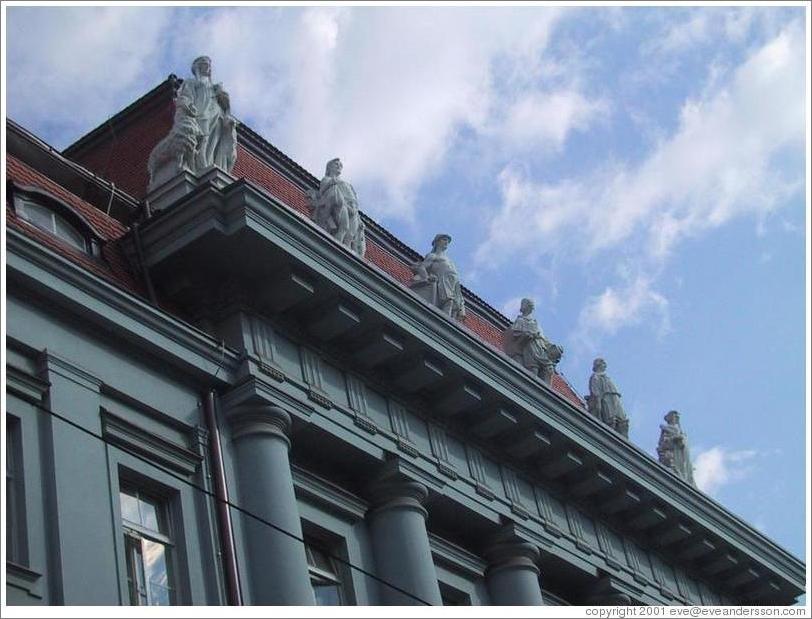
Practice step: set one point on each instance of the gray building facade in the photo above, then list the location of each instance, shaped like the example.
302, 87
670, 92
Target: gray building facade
211, 401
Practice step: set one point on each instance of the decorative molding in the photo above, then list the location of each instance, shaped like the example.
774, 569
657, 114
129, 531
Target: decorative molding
456, 558
546, 512
122, 433
708, 596
397, 466
357, 397
56, 364
255, 387
311, 372
511, 483
633, 561
477, 468
263, 340
577, 529
605, 544
328, 495
24, 386
439, 449
659, 577
201, 440
681, 581
109, 307
400, 426
24, 578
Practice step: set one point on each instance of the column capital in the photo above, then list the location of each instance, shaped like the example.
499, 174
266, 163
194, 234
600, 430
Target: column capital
259, 418
397, 492
512, 554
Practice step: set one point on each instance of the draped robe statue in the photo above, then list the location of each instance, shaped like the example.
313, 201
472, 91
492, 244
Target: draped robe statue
203, 134
672, 448
525, 342
604, 399
335, 209
436, 279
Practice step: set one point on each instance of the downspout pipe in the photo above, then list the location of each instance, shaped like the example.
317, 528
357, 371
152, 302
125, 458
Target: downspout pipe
139, 252
233, 591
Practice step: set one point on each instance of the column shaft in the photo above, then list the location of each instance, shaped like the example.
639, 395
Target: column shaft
401, 545
512, 577
278, 572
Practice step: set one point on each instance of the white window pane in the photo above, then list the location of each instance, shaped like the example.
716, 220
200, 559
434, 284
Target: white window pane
327, 595
159, 596
322, 562
157, 573
68, 233
135, 571
155, 563
129, 508
149, 514
36, 214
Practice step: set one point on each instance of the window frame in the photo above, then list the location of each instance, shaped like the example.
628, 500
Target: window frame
35, 198
137, 533
452, 594
15, 516
318, 574
127, 532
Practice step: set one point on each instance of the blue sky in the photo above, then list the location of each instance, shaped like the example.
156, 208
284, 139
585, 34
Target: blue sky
640, 172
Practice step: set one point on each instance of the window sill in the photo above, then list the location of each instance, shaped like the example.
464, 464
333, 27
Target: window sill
24, 578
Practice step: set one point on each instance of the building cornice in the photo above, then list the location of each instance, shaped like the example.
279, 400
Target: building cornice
242, 206
41, 156
70, 287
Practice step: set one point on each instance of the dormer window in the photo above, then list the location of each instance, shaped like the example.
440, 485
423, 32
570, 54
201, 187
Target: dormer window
52, 216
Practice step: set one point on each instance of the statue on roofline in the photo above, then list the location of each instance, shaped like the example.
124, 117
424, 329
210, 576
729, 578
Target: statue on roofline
203, 134
603, 400
524, 341
672, 448
437, 281
335, 209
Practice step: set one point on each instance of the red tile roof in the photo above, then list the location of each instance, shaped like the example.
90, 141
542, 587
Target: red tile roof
121, 155
111, 265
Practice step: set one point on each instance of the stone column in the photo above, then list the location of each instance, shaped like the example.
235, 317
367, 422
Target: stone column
397, 522
512, 576
278, 573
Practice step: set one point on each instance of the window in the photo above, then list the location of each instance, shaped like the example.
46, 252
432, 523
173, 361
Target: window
15, 516
323, 575
147, 547
33, 209
453, 597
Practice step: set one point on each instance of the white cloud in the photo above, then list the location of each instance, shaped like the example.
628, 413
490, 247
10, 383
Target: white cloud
699, 26
545, 119
511, 307
388, 89
720, 163
616, 307
717, 467
685, 34
726, 159
73, 66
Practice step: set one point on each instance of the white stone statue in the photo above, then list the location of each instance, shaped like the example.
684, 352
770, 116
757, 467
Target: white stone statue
603, 400
525, 342
437, 281
204, 132
672, 448
335, 209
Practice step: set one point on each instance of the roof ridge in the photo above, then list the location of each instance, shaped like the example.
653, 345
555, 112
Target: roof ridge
81, 142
